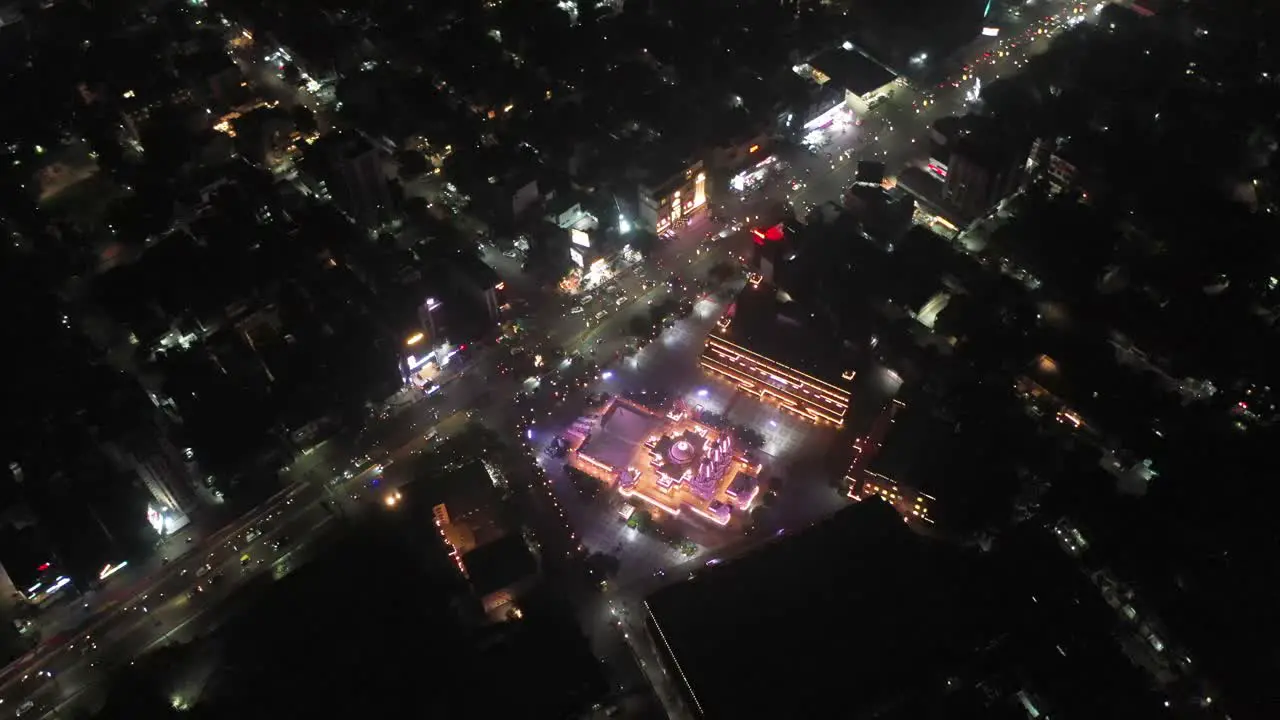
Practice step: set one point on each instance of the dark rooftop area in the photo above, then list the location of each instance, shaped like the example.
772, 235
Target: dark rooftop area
845, 612
343, 144
499, 564
852, 70
766, 322
464, 489
900, 458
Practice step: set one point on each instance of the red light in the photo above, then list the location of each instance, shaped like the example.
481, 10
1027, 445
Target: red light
43, 567
773, 234
462, 347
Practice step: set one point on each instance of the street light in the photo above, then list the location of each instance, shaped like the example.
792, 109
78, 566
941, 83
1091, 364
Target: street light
415, 338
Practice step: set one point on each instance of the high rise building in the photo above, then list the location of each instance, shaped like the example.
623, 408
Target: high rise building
348, 169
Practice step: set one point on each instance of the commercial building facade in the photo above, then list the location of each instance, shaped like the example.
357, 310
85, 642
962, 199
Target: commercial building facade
671, 202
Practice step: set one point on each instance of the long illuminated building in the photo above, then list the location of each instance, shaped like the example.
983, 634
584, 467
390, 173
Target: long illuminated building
751, 361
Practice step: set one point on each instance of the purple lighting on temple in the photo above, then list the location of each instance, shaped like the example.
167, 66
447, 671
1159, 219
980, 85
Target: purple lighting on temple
668, 461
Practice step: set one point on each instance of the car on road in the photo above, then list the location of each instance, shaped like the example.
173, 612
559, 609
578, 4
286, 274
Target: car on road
620, 300
575, 310
280, 542
601, 314
586, 299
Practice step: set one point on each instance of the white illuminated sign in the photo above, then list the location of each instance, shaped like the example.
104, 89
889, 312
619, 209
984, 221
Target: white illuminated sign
158, 519
990, 31
415, 362
577, 257
580, 238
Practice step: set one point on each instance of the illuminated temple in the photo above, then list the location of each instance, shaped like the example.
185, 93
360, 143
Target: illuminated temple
670, 461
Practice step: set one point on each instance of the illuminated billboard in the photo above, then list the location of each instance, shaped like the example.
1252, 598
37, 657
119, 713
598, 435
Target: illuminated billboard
576, 256
580, 238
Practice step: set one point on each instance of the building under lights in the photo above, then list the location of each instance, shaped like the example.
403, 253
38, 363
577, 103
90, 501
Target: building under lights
673, 197
668, 462
466, 507
887, 462
863, 80
770, 349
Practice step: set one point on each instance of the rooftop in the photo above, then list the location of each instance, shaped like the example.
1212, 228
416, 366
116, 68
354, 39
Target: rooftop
499, 564
766, 321
620, 430
852, 70
344, 145
899, 457
467, 491
663, 164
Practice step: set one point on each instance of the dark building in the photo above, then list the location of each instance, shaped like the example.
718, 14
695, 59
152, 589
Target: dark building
472, 278
502, 186
348, 170
885, 215
500, 572
1071, 166
865, 81
213, 80
973, 165
845, 613
894, 31
985, 167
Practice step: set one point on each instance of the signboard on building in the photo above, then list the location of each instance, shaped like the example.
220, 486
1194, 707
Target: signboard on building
576, 255
441, 514
580, 238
